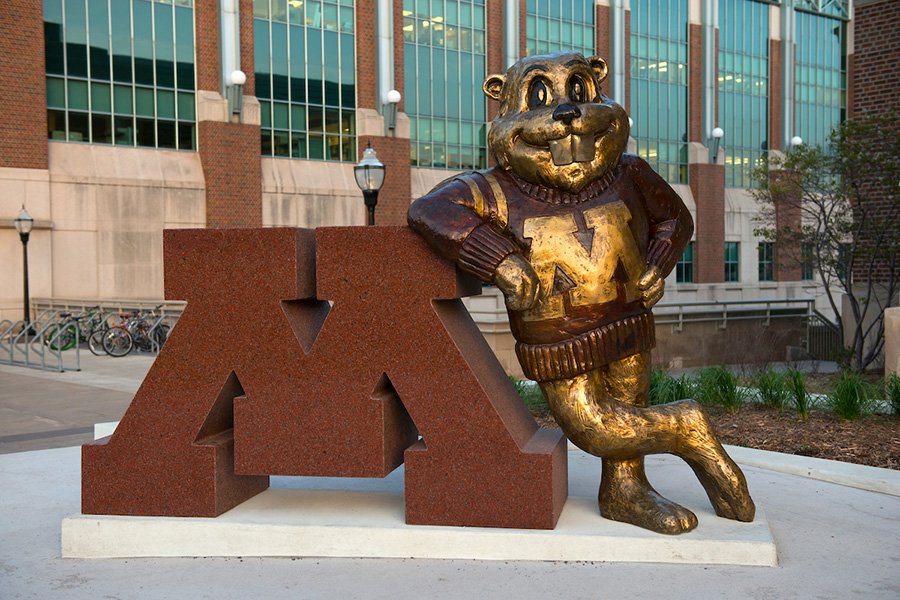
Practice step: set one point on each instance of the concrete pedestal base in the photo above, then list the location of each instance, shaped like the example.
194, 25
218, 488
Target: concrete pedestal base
364, 518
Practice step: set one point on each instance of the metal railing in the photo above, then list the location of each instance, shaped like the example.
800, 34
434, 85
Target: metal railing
723, 311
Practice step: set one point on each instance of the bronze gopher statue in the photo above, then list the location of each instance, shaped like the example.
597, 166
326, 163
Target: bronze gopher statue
579, 238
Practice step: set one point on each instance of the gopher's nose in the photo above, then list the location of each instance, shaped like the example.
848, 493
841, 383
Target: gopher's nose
566, 113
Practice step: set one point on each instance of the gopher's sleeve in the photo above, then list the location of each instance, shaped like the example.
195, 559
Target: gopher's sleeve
446, 218
671, 224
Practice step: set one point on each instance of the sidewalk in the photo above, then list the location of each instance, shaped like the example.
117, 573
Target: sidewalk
833, 541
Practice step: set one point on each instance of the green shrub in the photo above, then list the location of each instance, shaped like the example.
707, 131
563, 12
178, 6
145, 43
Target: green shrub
531, 395
892, 393
852, 398
772, 388
719, 386
664, 388
799, 397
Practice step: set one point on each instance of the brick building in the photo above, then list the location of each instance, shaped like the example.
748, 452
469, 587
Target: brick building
119, 117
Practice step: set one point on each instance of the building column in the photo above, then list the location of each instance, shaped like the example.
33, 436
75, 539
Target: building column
618, 49
787, 56
511, 37
707, 179
24, 160
379, 69
229, 146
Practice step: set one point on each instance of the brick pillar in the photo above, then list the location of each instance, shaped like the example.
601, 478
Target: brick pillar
393, 151
229, 151
494, 28
708, 188
523, 28
775, 98
23, 95
602, 31
695, 84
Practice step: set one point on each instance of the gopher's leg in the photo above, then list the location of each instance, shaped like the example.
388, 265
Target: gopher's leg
591, 412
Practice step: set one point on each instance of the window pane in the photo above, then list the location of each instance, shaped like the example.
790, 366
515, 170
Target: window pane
124, 131
101, 128
56, 92
79, 130
165, 134
100, 100
56, 124
143, 45
76, 39
123, 97
99, 47
143, 104
185, 106
165, 104
78, 95
146, 132
53, 37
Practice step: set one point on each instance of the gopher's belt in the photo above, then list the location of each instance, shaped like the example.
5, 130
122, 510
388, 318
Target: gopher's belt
588, 351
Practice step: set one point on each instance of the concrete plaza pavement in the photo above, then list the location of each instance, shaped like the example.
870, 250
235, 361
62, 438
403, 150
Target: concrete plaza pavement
834, 541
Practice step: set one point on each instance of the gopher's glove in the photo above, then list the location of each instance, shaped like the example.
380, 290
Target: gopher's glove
518, 282
651, 285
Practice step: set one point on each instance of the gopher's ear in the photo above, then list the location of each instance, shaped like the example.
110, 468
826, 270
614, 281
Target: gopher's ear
600, 68
493, 85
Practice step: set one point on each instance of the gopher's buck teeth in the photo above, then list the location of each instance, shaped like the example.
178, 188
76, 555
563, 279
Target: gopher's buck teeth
572, 148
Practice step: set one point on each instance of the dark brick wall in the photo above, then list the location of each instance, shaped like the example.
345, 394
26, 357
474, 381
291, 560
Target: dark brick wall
495, 45
229, 152
875, 77
23, 95
708, 189
872, 87
775, 100
396, 194
695, 84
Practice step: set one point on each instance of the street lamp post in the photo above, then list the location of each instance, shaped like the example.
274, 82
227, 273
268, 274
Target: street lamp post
369, 177
24, 223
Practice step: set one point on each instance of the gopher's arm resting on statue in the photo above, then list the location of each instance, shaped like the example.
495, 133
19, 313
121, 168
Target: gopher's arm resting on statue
671, 224
446, 219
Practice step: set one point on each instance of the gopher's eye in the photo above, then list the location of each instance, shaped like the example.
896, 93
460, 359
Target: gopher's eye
538, 94
577, 91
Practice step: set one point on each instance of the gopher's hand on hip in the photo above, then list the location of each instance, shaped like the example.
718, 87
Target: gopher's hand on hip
518, 282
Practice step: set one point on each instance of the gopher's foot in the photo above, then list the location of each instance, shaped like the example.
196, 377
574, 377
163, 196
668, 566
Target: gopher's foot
726, 487
626, 495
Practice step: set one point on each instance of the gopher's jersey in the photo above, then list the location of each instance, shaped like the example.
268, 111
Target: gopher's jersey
588, 250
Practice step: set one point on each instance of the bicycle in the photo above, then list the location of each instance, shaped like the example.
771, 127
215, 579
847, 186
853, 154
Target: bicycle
62, 335
140, 329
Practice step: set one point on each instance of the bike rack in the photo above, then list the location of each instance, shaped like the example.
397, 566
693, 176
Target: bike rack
37, 345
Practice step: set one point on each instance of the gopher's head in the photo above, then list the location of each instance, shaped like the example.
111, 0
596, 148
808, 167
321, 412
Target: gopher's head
555, 127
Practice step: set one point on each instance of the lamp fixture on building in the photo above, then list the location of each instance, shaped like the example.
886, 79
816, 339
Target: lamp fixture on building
716, 136
389, 110
24, 223
234, 92
370, 177
796, 141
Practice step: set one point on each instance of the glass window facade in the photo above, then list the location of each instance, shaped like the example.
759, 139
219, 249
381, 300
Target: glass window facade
444, 69
121, 72
684, 268
766, 252
306, 78
659, 85
732, 261
743, 86
821, 77
553, 26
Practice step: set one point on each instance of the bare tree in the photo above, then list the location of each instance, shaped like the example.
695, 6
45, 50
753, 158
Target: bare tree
835, 210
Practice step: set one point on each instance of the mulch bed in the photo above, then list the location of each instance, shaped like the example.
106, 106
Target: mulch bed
873, 441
